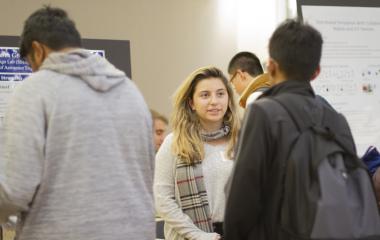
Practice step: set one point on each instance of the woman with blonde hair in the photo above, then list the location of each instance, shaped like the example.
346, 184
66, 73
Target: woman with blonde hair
194, 161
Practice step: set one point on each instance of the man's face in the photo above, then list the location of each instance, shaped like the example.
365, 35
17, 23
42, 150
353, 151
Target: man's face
237, 82
159, 128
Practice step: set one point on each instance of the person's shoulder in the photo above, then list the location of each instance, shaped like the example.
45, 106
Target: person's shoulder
167, 143
169, 137
266, 108
166, 146
34, 83
266, 104
34, 77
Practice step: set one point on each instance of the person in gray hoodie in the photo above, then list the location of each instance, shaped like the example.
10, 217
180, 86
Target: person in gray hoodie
77, 155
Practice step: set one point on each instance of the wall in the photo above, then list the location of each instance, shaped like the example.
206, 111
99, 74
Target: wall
169, 38
256, 21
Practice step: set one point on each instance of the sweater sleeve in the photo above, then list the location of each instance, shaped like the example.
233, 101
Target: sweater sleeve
164, 194
22, 151
244, 208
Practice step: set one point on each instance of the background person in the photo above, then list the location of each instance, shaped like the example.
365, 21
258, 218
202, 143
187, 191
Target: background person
255, 197
247, 77
160, 128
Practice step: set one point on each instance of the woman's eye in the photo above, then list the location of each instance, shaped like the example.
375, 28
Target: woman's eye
204, 95
221, 94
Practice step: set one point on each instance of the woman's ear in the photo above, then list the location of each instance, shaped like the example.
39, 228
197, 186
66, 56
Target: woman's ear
191, 104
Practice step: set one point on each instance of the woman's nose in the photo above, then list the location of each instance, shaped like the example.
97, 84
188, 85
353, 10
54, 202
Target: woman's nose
213, 99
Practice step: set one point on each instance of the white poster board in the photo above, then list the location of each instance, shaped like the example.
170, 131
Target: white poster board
350, 64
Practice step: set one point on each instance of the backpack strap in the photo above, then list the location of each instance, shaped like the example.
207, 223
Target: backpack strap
291, 104
323, 119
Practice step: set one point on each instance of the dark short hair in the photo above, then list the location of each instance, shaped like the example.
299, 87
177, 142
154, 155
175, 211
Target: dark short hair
51, 27
246, 62
297, 48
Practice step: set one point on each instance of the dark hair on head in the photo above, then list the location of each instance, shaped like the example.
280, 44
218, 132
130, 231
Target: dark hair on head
51, 27
297, 48
246, 62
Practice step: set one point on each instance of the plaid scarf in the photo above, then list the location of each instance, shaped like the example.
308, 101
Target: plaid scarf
193, 196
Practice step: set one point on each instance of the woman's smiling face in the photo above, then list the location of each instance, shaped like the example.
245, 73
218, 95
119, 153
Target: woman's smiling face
210, 102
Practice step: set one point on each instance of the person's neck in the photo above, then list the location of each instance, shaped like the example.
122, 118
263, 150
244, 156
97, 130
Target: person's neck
278, 78
250, 80
67, 49
219, 141
63, 50
211, 127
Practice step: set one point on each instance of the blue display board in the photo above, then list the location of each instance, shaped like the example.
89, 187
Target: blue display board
14, 70
10, 61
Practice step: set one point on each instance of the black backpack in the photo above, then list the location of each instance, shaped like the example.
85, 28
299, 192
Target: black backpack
327, 192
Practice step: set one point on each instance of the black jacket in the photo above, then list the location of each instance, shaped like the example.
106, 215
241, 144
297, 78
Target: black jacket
253, 206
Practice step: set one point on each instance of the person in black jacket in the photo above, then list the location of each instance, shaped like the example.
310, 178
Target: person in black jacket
254, 200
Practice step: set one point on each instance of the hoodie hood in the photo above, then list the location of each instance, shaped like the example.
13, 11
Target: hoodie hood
96, 71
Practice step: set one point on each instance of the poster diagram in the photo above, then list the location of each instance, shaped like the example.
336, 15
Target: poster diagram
370, 79
343, 81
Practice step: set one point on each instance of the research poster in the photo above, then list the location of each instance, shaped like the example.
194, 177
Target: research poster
350, 65
13, 71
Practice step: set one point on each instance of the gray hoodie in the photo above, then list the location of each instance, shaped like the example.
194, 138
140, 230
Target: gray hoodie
77, 155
